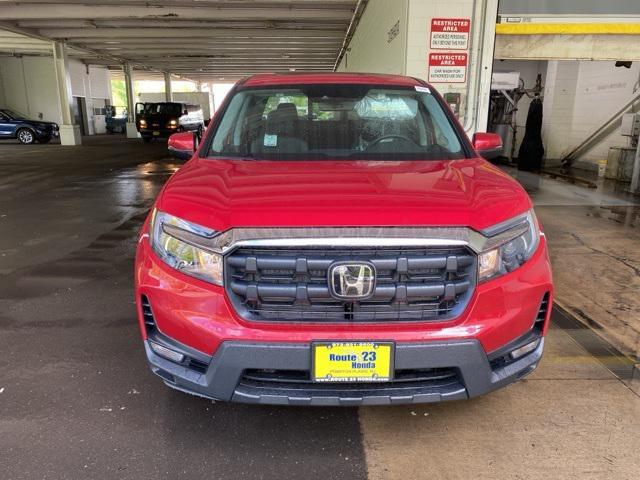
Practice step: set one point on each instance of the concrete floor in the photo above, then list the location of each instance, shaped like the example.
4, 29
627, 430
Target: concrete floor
78, 401
594, 238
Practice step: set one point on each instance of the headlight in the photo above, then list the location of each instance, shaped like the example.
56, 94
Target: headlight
173, 123
515, 250
143, 123
179, 254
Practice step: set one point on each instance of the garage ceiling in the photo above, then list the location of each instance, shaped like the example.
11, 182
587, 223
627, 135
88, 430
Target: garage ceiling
199, 39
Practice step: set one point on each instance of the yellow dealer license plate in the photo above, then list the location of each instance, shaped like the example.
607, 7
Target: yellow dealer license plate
352, 361
156, 134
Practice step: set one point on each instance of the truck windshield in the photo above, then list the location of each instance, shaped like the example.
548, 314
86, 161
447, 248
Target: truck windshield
336, 121
163, 109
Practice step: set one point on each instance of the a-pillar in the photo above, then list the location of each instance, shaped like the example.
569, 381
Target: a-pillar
168, 91
69, 133
132, 131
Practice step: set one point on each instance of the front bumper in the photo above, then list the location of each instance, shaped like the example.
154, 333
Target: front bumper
197, 318
159, 132
224, 378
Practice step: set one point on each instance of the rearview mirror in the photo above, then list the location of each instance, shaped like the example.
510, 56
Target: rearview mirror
488, 145
183, 145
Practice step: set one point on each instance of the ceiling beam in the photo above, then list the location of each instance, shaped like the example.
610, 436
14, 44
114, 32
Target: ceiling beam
206, 43
25, 11
229, 37
9, 27
339, 25
88, 33
345, 4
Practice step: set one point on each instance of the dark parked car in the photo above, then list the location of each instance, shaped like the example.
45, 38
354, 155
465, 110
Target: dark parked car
162, 119
17, 125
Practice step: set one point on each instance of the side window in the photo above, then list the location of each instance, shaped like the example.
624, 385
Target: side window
444, 137
228, 136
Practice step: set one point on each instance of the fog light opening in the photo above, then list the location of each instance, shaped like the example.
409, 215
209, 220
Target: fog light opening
525, 349
167, 353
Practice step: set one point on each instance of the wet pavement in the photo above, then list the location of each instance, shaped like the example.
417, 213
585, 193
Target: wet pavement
77, 400
594, 238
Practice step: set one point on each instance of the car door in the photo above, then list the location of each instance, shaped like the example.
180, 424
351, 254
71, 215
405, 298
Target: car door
139, 111
7, 126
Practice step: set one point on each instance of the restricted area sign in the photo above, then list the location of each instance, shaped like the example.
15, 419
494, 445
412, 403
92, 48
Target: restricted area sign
450, 33
448, 67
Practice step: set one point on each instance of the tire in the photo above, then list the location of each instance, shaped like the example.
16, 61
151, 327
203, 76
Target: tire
147, 139
26, 136
44, 139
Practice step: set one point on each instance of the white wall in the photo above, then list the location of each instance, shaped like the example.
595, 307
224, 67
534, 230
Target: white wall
29, 86
418, 42
579, 97
408, 53
602, 89
2, 97
93, 83
371, 50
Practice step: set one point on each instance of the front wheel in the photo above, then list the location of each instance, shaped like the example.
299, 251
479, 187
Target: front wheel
147, 139
26, 136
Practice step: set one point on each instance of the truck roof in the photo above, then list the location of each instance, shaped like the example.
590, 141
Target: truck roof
266, 79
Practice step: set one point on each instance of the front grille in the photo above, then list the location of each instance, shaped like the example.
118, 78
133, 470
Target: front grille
293, 383
288, 284
542, 311
295, 387
147, 313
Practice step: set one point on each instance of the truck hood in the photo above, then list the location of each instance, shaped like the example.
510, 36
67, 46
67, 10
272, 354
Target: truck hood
221, 194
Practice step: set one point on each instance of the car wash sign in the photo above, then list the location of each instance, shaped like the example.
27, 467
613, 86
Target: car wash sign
449, 67
450, 33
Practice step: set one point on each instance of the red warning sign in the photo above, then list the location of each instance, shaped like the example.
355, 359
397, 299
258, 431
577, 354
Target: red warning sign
450, 33
448, 67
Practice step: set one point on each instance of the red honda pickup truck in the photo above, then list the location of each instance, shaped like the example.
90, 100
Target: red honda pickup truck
336, 239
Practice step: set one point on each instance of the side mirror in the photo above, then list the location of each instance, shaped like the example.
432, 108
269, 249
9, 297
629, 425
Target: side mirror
185, 112
488, 145
183, 145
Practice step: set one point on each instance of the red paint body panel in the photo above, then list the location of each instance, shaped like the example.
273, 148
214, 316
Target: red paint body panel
221, 194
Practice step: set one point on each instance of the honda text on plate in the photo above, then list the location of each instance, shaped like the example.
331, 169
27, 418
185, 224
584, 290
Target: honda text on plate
336, 239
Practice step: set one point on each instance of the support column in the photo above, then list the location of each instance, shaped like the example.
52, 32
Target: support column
168, 91
69, 133
132, 131
635, 176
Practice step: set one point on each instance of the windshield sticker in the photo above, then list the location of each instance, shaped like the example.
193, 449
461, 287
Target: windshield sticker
270, 140
422, 89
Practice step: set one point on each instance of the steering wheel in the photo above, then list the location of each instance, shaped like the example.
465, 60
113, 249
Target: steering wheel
388, 137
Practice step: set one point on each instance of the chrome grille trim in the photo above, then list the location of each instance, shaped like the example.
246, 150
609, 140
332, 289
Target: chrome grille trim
392, 237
